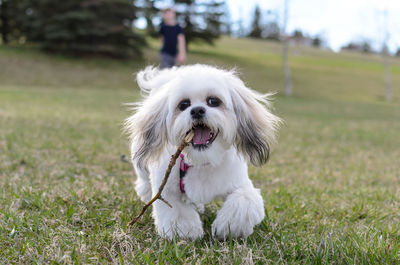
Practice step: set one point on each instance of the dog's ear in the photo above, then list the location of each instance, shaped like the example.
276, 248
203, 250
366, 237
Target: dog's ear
256, 125
151, 79
147, 128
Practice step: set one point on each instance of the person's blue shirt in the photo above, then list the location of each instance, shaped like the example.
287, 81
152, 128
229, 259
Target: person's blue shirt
170, 34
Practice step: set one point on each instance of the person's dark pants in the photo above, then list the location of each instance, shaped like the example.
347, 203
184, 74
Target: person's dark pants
167, 60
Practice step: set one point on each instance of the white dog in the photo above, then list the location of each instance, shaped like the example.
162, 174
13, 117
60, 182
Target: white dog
231, 125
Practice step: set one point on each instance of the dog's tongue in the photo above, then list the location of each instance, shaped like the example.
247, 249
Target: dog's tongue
201, 135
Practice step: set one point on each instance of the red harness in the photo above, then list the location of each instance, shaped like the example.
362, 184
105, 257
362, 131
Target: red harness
183, 168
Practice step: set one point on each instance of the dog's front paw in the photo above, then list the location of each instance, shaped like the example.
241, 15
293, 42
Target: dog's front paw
186, 226
239, 214
230, 224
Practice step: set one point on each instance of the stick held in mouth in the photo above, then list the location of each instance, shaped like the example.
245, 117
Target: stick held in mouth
174, 157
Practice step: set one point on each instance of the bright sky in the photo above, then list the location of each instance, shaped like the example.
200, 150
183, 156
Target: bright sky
340, 21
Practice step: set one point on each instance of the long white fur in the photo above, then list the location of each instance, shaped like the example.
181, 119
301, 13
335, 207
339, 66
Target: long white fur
158, 126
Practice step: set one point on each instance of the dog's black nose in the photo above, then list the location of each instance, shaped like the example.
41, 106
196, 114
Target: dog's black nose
198, 112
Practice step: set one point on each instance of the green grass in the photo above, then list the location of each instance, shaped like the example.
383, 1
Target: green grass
331, 189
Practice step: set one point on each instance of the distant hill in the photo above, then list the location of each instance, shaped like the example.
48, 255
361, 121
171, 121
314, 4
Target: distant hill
316, 73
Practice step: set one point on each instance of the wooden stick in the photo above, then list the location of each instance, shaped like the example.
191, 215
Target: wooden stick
172, 162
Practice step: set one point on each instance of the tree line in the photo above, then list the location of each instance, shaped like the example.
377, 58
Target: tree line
84, 27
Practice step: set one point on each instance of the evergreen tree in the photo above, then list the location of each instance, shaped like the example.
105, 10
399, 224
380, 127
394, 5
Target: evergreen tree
226, 23
84, 27
201, 20
317, 42
213, 18
148, 10
272, 31
4, 20
12, 16
256, 28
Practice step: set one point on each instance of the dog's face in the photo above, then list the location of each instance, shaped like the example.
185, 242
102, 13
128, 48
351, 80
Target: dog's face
201, 103
215, 104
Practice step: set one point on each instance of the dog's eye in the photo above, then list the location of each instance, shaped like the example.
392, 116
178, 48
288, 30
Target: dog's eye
184, 104
213, 102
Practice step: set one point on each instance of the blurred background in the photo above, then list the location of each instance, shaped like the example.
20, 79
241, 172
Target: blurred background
68, 67
336, 36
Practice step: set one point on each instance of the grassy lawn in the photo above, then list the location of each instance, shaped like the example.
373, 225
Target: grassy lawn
331, 188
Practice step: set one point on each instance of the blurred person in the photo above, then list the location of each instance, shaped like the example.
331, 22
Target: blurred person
171, 35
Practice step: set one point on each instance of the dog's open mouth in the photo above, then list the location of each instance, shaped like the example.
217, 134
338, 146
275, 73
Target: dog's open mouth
203, 136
